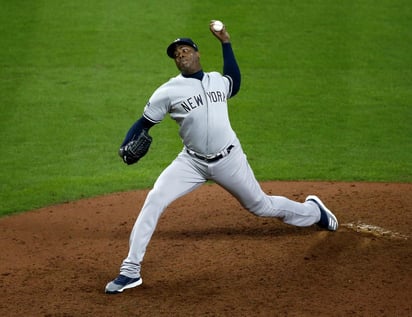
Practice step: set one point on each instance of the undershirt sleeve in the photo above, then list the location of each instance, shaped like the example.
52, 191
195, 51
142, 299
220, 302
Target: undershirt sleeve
231, 68
137, 128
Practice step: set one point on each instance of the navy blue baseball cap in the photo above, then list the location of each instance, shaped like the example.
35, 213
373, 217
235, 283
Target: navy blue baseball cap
180, 41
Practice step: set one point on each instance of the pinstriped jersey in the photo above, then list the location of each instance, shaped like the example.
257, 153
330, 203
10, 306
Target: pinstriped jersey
200, 109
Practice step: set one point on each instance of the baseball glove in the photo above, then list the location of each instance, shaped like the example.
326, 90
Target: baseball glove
136, 148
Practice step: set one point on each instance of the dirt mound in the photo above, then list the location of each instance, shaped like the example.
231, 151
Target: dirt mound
209, 257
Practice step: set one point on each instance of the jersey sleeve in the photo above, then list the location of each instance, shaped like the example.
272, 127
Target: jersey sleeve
158, 105
229, 85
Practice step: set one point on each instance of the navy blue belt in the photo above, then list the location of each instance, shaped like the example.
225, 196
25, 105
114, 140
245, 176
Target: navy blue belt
210, 159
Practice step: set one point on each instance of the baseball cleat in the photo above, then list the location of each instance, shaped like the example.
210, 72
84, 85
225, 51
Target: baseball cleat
327, 218
120, 283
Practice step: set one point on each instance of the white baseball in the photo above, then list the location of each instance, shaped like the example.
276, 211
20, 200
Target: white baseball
217, 26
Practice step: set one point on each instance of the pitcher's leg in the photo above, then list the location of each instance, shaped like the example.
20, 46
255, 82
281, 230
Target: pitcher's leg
235, 174
294, 213
178, 179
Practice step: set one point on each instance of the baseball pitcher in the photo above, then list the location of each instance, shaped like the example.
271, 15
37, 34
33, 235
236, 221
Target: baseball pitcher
198, 102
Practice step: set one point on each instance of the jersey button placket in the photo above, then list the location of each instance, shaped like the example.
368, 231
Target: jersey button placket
207, 116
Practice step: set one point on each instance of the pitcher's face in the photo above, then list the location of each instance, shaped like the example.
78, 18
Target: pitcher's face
187, 59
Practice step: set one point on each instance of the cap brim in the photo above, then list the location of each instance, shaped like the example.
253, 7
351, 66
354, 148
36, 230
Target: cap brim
171, 48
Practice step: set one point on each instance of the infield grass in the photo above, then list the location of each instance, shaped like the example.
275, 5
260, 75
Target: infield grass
326, 90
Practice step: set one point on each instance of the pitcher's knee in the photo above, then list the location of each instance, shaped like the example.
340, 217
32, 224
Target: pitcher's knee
258, 213
157, 198
259, 208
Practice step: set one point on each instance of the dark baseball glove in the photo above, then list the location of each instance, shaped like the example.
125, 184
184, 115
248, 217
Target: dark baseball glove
136, 148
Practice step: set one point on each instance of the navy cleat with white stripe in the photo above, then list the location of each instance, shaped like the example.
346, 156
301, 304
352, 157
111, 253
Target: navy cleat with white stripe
327, 218
122, 282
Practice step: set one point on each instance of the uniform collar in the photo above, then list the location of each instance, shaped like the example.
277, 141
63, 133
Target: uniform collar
198, 75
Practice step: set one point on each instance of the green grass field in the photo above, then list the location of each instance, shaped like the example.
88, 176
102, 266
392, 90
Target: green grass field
326, 91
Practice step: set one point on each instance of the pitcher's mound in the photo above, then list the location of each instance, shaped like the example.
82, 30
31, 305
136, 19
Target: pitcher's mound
209, 257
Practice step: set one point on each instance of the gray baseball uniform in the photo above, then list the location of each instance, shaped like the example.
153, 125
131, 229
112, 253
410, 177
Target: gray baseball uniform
211, 151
